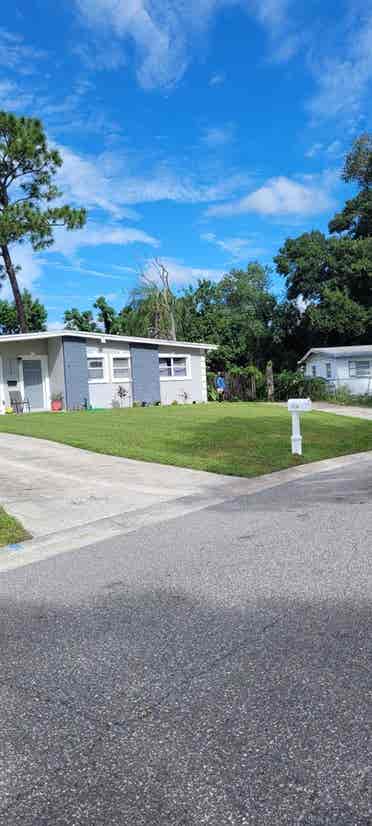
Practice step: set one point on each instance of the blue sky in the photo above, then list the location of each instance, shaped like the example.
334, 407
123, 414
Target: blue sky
201, 131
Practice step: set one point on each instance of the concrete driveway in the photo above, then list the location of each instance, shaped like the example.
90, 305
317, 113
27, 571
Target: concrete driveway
67, 497
209, 670
54, 488
355, 411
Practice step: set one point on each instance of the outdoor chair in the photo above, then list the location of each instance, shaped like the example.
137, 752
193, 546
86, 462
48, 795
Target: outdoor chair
18, 404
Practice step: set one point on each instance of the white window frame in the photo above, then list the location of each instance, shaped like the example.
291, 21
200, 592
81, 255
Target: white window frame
353, 366
100, 357
328, 369
313, 369
176, 356
126, 356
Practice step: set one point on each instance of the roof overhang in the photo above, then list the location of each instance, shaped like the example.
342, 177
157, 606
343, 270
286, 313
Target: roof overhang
103, 337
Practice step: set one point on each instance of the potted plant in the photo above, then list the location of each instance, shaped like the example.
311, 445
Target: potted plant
57, 402
122, 394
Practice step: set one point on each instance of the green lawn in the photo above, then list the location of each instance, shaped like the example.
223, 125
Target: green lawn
237, 438
11, 531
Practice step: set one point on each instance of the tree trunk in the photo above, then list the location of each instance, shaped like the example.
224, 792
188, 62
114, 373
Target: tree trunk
11, 273
270, 381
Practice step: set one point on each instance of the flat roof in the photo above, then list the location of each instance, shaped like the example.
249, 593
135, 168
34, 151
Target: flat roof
354, 350
103, 337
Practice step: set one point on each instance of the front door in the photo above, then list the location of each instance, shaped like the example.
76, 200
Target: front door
33, 383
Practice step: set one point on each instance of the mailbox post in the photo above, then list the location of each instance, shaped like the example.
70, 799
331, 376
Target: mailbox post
297, 406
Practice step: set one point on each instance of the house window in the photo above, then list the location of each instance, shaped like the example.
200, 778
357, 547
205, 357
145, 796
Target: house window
328, 370
120, 368
173, 367
95, 369
359, 369
179, 366
313, 370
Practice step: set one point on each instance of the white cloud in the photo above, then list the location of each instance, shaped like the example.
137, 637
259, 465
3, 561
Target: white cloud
16, 54
12, 97
84, 181
95, 235
162, 31
238, 248
181, 275
77, 267
217, 79
278, 18
343, 79
215, 136
333, 150
314, 150
107, 182
277, 197
54, 326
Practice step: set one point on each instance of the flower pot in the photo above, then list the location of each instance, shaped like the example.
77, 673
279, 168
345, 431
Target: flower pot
56, 405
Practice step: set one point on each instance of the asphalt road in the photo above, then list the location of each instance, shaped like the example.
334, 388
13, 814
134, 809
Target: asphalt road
214, 669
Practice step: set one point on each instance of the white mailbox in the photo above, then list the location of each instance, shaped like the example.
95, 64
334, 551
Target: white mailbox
297, 406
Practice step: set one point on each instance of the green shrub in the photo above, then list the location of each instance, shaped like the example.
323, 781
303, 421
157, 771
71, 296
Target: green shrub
296, 385
342, 395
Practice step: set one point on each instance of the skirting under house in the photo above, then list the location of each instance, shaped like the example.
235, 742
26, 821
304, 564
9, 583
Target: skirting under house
98, 370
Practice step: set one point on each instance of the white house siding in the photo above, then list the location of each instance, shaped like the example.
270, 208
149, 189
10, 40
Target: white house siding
358, 386
193, 386
102, 393
319, 362
340, 372
56, 367
11, 354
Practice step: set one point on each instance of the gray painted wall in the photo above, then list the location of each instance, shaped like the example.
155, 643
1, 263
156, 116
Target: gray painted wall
76, 372
145, 372
56, 367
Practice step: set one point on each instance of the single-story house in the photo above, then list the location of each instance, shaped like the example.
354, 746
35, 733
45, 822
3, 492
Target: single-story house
349, 367
88, 368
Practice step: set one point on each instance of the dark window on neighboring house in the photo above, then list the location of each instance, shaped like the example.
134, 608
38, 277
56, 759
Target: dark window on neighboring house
328, 370
359, 369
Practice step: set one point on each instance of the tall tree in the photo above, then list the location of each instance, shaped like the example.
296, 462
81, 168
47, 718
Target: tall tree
27, 169
157, 287
107, 315
355, 218
35, 313
75, 319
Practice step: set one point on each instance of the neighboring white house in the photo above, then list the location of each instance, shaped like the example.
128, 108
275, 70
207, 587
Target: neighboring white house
349, 367
89, 368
